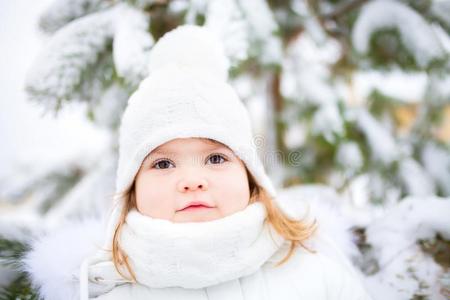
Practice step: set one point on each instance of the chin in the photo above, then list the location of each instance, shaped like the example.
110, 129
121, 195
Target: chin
185, 217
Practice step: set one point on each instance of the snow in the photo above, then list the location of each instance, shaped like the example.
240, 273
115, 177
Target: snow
195, 7
381, 143
247, 29
308, 51
305, 76
61, 12
415, 33
108, 108
410, 273
442, 35
401, 269
324, 204
306, 80
224, 18
349, 156
263, 27
300, 8
33, 143
358, 204
439, 89
260, 17
441, 10
132, 44
328, 123
31, 167
57, 71
178, 6
314, 28
295, 135
404, 269
251, 91
391, 84
436, 161
92, 197
415, 178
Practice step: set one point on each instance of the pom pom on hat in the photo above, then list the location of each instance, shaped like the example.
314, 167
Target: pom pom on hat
190, 47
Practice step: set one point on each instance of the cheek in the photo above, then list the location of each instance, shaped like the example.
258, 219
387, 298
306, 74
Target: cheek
153, 197
233, 192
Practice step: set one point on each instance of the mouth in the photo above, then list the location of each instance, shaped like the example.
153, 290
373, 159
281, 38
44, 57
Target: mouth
196, 206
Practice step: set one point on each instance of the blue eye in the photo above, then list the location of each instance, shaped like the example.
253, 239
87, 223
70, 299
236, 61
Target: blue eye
216, 159
162, 164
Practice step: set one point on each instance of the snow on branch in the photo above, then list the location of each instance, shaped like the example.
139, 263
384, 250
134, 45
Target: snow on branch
404, 269
61, 12
382, 143
247, 28
415, 33
225, 18
441, 10
132, 44
263, 25
57, 71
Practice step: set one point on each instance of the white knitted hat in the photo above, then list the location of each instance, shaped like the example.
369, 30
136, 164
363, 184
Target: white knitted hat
186, 95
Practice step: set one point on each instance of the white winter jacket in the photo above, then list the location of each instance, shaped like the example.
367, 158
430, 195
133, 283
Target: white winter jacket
239, 265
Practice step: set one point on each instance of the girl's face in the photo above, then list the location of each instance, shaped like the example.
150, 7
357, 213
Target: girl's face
183, 171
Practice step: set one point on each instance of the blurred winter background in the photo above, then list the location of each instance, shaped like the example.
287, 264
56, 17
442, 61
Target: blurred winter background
350, 101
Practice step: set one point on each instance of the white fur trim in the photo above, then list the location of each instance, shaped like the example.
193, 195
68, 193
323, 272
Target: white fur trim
54, 259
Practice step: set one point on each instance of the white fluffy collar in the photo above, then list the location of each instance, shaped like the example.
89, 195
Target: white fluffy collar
196, 255
189, 255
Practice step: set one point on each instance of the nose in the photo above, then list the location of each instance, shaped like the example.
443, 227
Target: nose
192, 184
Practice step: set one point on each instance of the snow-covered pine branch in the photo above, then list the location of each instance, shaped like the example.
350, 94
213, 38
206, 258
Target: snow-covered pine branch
415, 33
57, 73
61, 12
306, 80
440, 9
226, 19
264, 28
381, 143
416, 180
404, 269
436, 161
247, 29
90, 197
132, 44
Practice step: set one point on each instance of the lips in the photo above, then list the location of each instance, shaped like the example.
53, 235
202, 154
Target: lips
196, 205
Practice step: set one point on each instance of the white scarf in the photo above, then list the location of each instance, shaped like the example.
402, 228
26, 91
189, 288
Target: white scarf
195, 254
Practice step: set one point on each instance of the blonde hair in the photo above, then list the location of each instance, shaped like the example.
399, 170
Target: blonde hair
295, 231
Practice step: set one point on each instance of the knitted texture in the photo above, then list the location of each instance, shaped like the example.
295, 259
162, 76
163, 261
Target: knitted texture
197, 255
189, 255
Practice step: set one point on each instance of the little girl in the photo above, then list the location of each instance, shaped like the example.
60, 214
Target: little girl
195, 214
